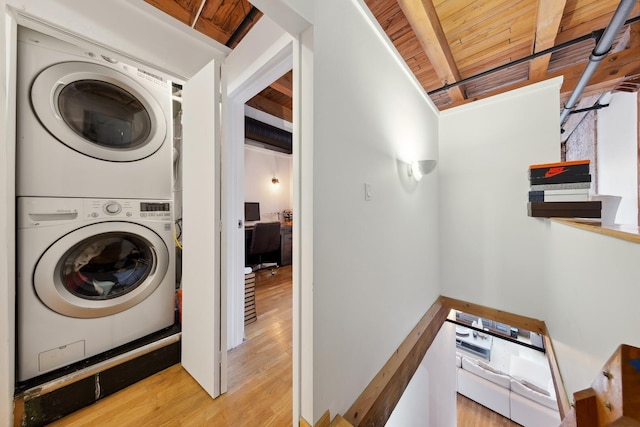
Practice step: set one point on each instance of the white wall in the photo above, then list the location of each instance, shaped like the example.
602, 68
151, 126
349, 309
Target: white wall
582, 284
375, 269
430, 397
617, 153
592, 300
492, 252
260, 166
295, 16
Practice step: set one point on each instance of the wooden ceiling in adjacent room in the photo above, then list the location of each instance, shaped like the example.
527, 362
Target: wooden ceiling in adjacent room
227, 22
462, 50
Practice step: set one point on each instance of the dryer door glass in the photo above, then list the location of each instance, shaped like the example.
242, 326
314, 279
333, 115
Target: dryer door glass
104, 114
100, 112
107, 265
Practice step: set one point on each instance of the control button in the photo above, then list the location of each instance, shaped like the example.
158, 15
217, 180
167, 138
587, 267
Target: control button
112, 208
129, 214
94, 214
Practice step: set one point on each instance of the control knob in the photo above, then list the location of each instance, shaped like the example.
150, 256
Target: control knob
112, 208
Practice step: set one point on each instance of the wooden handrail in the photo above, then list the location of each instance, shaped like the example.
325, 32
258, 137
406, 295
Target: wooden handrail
561, 394
614, 396
630, 233
522, 322
376, 403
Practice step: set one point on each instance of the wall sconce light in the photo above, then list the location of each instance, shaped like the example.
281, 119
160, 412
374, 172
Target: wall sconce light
275, 181
419, 168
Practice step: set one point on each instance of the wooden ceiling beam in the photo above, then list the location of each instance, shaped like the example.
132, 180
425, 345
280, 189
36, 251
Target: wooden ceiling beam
261, 103
634, 36
284, 84
208, 29
173, 9
614, 67
547, 26
611, 71
424, 21
595, 23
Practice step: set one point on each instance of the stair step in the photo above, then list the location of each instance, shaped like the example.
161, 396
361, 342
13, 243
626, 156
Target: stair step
339, 421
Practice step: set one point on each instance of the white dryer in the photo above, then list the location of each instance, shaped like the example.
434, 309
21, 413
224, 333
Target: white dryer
90, 126
93, 274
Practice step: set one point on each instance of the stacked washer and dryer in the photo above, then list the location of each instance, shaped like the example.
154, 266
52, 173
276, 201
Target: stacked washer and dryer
95, 242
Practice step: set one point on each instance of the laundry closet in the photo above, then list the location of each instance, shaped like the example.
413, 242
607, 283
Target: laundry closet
96, 256
118, 133
98, 189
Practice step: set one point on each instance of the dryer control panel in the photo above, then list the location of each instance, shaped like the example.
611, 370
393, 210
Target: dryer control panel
48, 211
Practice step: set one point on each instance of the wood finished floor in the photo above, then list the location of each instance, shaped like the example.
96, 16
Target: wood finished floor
472, 414
259, 382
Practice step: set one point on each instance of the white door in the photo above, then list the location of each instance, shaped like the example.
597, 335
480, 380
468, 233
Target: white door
202, 332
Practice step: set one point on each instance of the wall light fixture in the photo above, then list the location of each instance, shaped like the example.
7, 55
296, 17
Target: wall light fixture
419, 168
275, 181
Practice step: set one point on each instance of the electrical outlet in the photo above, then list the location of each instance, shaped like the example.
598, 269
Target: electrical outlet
367, 192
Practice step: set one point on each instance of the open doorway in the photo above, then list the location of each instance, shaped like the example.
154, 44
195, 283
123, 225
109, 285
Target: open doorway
259, 349
265, 355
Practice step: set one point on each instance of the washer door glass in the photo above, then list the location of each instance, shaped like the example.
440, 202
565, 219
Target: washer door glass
106, 266
101, 112
104, 114
101, 269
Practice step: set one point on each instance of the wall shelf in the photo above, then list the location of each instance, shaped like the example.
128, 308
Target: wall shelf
629, 233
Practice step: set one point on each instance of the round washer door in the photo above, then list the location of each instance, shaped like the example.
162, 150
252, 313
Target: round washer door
98, 111
101, 269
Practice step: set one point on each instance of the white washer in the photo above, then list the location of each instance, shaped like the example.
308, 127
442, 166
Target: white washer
93, 274
89, 126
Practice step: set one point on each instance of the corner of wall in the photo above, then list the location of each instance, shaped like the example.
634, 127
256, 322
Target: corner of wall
7, 218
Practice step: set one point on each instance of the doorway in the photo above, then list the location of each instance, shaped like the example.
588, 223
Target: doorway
257, 74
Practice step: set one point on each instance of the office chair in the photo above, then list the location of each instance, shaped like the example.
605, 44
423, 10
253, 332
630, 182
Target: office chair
265, 239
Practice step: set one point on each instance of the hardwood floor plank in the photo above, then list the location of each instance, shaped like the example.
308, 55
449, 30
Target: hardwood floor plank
260, 381
473, 414
260, 378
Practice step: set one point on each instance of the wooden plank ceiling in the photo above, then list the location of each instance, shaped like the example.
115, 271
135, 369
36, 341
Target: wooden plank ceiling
446, 41
227, 22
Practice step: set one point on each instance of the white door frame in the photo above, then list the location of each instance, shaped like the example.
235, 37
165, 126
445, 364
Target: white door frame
233, 183
275, 59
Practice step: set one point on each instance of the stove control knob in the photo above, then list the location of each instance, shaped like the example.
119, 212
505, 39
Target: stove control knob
112, 208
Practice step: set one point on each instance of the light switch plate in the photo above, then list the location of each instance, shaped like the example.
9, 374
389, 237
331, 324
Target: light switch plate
367, 191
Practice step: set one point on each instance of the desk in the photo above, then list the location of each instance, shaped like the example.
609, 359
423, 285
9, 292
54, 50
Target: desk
282, 256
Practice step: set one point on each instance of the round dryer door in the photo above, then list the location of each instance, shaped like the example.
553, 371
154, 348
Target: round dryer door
101, 269
98, 111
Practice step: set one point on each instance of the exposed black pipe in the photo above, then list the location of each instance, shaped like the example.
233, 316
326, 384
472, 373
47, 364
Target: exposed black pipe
269, 136
248, 20
596, 35
584, 110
